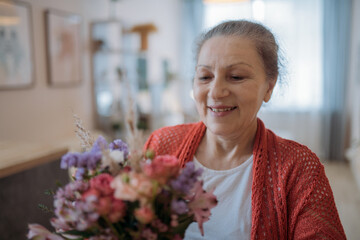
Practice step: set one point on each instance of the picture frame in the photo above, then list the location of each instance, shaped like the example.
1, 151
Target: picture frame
64, 48
17, 70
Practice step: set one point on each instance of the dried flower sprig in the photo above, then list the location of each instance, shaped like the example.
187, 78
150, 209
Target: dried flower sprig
86, 139
135, 137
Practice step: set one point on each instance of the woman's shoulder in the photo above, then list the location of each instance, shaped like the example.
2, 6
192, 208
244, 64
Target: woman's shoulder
179, 129
167, 139
295, 157
285, 150
293, 148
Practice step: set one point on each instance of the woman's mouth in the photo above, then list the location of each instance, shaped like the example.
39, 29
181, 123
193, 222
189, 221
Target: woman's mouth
222, 109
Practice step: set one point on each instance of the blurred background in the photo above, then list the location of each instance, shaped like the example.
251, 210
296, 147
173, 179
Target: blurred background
86, 57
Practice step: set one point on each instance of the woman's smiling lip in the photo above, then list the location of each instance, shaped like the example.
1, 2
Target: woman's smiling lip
221, 110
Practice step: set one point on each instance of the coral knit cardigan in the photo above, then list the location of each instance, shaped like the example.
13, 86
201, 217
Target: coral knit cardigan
291, 196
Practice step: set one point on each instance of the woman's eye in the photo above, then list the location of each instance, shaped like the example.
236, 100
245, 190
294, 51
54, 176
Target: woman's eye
204, 78
237, 77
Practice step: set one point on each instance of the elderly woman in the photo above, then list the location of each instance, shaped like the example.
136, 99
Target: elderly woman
268, 187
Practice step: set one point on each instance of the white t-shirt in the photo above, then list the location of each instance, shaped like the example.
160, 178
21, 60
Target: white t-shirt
231, 218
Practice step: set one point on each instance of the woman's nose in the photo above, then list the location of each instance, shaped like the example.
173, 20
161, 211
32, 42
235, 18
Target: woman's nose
219, 88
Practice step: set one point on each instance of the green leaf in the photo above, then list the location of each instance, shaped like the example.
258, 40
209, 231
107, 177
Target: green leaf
183, 225
58, 184
85, 234
45, 208
49, 192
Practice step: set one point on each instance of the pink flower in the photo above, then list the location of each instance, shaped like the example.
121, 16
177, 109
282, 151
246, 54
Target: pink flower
123, 190
159, 225
105, 203
200, 204
132, 186
177, 237
102, 184
144, 214
104, 206
142, 184
91, 192
60, 224
38, 232
162, 168
118, 210
174, 220
149, 235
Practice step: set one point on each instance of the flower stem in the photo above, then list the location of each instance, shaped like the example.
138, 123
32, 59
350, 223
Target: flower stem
112, 228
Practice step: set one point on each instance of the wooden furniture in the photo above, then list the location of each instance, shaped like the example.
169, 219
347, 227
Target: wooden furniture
144, 30
19, 156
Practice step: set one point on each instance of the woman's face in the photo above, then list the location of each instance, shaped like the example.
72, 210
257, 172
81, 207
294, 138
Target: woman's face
230, 85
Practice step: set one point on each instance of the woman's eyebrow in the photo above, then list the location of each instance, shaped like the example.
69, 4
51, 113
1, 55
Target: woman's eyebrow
230, 66
205, 66
240, 63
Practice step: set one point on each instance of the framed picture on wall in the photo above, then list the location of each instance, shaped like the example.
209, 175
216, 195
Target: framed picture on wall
16, 45
64, 55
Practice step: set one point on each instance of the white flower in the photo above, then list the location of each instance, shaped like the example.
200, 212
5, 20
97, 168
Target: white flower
117, 156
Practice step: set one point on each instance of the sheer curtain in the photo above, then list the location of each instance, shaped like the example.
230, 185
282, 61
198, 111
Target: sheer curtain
308, 103
191, 27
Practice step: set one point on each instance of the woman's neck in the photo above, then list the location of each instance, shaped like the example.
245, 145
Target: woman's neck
225, 152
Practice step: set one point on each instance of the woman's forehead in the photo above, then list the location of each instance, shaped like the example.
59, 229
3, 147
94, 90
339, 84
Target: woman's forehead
228, 51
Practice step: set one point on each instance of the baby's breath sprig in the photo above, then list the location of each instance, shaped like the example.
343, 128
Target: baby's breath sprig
134, 136
86, 139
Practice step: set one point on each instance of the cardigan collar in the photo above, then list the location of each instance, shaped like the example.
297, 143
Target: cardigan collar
191, 142
193, 138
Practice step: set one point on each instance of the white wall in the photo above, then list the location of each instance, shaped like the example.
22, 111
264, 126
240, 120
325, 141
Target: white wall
43, 113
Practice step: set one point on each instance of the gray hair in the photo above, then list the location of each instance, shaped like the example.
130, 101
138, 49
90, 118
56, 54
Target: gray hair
264, 40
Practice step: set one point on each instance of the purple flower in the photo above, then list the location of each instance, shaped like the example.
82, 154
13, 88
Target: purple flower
186, 179
99, 144
89, 160
179, 206
79, 175
69, 190
82, 162
69, 160
118, 144
73, 212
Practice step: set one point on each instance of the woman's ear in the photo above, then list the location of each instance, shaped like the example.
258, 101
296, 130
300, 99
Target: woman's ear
271, 85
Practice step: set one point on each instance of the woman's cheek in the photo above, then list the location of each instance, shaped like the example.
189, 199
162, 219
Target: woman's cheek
196, 93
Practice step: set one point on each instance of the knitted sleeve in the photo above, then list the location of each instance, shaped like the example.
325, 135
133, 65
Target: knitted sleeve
311, 208
167, 140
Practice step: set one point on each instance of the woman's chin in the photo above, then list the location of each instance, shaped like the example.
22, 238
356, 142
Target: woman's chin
221, 129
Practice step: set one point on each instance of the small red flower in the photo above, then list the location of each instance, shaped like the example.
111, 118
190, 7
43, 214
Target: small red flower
162, 168
102, 184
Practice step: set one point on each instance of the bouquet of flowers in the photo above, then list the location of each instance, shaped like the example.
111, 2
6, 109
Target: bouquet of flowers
117, 192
